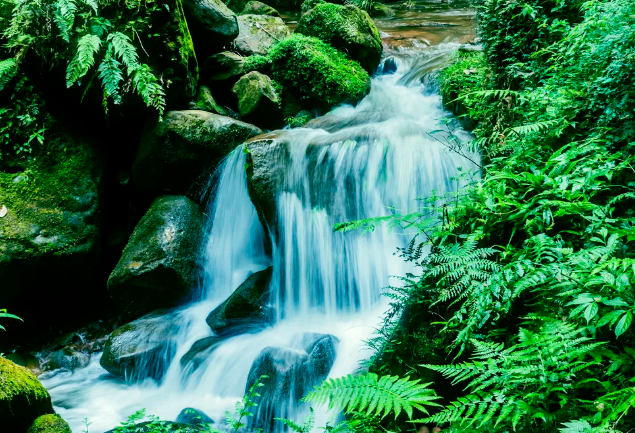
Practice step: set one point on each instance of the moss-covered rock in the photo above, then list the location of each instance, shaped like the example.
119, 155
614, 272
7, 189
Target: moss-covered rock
160, 264
346, 28
316, 71
258, 33
212, 23
310, 4
178, 154
260, 64
141, 349
192, 416
246, 309
381, 10
22, 397
258, 8
50, 233
258, 101
205, 102
51, 423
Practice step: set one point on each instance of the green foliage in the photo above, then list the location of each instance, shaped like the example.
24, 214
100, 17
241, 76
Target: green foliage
243, 407
374, 395
261, 64
318, 71
5, 315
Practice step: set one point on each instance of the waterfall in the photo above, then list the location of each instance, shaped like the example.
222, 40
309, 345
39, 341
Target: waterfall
355, 162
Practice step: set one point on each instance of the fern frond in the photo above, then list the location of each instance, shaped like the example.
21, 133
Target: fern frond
373, 394
146, 84
124, 49
111, 77
532, 127
8, 69
65, 16
84, 58
306, 427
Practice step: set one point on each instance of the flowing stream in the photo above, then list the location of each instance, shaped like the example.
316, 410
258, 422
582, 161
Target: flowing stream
353, 163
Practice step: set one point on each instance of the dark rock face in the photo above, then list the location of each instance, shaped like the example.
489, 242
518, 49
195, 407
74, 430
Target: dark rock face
347, 28
193, 416
292, 373
258, 33
223, 66
246, 309
50, 232
258, 101
141, 349
184, 148
212, 24
51, 423
159, 265
200, 352
254, 7
22, 397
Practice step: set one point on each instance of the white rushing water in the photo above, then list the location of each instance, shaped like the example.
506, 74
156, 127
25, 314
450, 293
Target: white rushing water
356, 162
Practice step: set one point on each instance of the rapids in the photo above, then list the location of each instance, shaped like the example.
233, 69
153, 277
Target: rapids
352, 163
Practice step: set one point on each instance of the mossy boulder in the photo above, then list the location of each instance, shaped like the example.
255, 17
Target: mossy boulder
346, 28
212, 24
141, 349
50, 231
160, 264
51, 423
317, 72
258, 101
177, 154
22, 397
205, 102
258, 8
246, 310
192, 416
258, 33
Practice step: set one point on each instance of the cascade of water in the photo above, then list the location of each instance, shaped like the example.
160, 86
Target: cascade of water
355, 162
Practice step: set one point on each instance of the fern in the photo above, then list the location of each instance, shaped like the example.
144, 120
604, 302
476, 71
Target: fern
84, 59
111, 77
123, 48
65, 17
305, 427
8, 69
146, 84
373, 395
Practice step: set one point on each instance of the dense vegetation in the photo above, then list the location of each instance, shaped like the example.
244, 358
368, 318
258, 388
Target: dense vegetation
522, 312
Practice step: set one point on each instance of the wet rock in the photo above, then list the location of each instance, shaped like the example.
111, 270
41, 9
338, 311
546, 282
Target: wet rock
380, 10
179, 153
471, 48
258, 101
292, 373
141, 349
225, 66
159, 265
212, 24
317, 73
258, 33
199, 352
205, 102
162, 426
346, 28
22, 397
254, 7
67, 359
193, 416
51, 423
388, 66
246, 309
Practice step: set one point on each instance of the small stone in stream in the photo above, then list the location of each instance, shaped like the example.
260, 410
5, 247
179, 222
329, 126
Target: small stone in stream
67, 359
388, 66
433, 24
471, 48
199, 353
3, 211
193, 416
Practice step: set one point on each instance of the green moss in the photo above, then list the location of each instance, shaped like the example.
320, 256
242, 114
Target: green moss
257, 63
310, 4
16, 380
52, 423
317, 71
299, 119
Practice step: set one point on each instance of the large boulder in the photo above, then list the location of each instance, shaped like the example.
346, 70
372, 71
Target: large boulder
22, 397
141, 349
178, 154
346, 28
160, 264
258, 100
246, 309
50, 232
292, 372
51, 423
258, 33
317, 72
255, 7
199, 353
212, 23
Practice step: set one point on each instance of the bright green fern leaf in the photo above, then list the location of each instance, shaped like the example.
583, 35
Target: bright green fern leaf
84, 59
